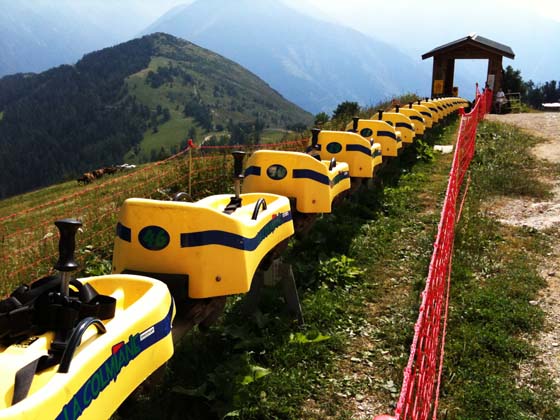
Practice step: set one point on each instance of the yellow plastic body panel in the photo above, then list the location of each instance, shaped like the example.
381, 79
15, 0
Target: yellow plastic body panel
438, 104
459, 103
106, 368
380, 132
401, 123
416, 118
451, 104
359, 153
447, 106
218, 252
426, 114
437, 113
444, 104
306, 179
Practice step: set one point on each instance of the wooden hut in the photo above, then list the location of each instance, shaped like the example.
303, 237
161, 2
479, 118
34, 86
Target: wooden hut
472, 46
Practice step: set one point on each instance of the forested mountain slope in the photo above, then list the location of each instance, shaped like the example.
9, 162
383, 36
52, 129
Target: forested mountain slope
71, 119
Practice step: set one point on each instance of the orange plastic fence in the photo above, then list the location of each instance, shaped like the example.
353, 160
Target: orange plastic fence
28, 238
419, 395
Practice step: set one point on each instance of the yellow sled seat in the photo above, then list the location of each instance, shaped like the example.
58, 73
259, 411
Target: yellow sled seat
441, 105
378, 132
426, 114
416, 118
401, 123
461, 103
455, 104
105, 368
361, 155
215, 253
448, 103
437, 114
452, 104
314, 184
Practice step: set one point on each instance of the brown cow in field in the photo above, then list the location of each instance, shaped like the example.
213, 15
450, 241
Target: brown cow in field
86, 178
98, 173
109, 170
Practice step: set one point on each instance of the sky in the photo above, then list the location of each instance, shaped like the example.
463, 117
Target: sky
545, 8
529, 27
360, 14
401, 25
413, 26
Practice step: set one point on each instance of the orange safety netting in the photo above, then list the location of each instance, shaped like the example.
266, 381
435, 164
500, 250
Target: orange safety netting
422, 376
28, 238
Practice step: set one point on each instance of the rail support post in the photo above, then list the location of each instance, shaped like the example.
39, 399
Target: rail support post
289, 289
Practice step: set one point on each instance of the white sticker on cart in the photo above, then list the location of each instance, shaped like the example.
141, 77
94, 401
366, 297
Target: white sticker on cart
147, 333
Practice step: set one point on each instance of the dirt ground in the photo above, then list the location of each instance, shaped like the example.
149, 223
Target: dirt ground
540, 215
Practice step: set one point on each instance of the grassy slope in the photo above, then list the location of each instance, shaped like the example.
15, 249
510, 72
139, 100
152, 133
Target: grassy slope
32, 199
365, 316
358, 325
495, 278
23, 237
230, 91
175, 130
360, 296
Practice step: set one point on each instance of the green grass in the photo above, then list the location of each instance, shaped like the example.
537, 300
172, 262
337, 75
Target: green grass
359, 273
240, 99
276, 135
35, 198
494, 280
505, 165
173, 131
169, 134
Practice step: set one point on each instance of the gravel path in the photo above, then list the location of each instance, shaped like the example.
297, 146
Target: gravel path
541, 215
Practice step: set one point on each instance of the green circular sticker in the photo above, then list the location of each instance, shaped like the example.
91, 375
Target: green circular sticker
366, 132
153, 238
334, 147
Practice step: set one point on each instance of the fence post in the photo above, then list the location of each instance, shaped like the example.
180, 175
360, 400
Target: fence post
190, 146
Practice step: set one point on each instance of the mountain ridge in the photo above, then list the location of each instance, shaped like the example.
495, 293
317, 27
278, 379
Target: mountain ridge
71, 119
313, 63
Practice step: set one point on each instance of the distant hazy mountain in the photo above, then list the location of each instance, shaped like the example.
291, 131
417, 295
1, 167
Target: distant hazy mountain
35, 38
312, 63
71, 119
417, 27
36, 35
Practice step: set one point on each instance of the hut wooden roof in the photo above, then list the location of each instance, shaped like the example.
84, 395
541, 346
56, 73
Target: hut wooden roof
475, 40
